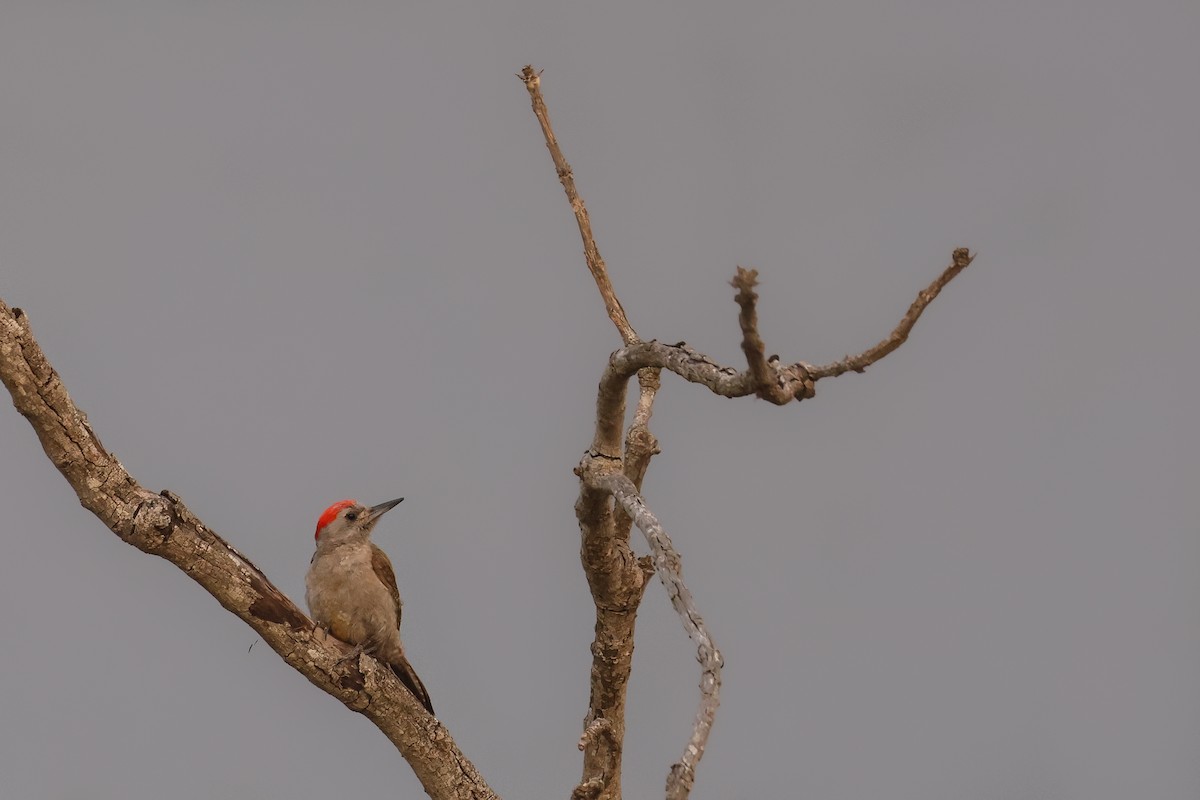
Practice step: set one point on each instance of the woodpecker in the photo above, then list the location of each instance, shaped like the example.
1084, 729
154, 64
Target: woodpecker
351, 588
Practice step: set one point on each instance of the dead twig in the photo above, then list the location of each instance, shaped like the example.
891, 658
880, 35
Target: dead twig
960, 260
533, 82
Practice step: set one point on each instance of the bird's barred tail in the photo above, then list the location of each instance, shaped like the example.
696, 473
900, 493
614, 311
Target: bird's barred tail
408, 676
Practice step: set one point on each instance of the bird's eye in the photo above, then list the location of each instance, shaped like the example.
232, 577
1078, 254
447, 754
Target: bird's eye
352, 515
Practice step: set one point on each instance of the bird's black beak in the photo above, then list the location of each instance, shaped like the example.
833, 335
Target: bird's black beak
375, 512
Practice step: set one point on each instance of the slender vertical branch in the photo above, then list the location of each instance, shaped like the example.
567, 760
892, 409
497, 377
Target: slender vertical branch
616, 578
770, 379
533, 82
640, 444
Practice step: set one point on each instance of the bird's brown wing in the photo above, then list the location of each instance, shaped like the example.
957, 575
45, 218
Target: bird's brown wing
382, 565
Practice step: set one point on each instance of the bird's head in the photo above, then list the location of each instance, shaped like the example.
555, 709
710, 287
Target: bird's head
346, 519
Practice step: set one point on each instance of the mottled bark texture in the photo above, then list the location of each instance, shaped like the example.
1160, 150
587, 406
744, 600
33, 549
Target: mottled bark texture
160, 524
611, 476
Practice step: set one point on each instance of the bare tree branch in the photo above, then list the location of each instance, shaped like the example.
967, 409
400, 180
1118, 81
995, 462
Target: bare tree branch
617, 581
764, 374
533, 82
615, 576
744, 280
640, 443
767, 378
960, 260
612, 571
161, 525
670, 571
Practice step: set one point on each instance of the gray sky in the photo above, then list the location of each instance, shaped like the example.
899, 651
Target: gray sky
292, 253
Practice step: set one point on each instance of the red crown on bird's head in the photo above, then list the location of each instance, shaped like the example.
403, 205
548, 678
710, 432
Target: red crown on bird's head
330, 514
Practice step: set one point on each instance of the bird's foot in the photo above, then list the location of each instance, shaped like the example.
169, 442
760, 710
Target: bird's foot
351, 656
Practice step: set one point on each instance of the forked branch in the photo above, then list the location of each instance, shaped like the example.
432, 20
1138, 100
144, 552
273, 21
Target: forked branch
616, 577
609, 472
765, 377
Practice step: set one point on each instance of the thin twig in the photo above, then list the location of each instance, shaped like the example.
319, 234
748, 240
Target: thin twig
640, 444
533, 82
961, 259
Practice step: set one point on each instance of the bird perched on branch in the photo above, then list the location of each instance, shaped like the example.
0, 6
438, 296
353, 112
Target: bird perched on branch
351, 588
